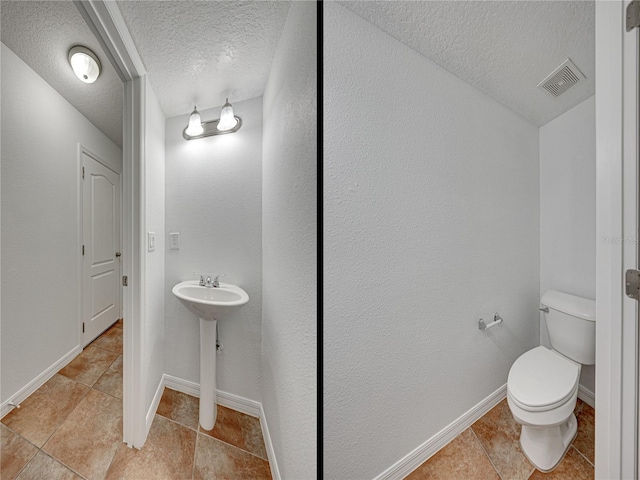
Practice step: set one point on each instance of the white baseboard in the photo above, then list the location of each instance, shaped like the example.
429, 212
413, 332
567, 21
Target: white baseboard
184, 386
421, 454
151, 413
226, 399
22, 394
587, 396
240, 404
271, 454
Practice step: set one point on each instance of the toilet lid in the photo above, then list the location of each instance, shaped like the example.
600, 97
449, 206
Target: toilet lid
542, 378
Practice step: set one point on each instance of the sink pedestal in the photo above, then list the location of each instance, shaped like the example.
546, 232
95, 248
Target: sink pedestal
210, 304
208, 339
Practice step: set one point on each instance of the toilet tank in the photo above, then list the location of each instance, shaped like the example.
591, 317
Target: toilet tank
571, 322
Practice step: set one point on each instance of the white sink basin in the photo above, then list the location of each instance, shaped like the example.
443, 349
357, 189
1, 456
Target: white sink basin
210, 303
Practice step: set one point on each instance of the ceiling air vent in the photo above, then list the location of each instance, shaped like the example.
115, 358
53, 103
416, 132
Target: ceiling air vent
561, 79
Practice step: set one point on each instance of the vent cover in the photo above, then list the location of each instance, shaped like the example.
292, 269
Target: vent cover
561, 79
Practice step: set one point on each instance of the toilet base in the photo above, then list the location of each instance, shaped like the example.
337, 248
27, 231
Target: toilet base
545, 447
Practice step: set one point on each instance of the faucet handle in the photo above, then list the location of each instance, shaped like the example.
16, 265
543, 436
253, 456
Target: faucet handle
201, 283
215, 280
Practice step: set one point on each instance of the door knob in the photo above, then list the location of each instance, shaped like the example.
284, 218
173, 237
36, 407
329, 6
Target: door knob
118, 254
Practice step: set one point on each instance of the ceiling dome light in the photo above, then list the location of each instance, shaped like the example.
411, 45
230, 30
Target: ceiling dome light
227, 120
195, 124
85, 63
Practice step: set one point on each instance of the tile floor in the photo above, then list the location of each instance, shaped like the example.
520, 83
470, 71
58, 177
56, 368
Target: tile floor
71, 428
490, 449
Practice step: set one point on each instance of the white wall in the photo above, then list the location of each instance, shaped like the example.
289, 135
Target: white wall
431, 220
40, 230
289, 218
214, 200
154, 167
568, 209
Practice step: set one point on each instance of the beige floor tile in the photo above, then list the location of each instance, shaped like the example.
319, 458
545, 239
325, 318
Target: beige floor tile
167, 454
179, 407
44, 467
499, 435
585, 440
90, 436
111, 381
240, 430
15, 453
110, 340
46, 409
119, 324
216, 460
572, 467
462, 459
89, 366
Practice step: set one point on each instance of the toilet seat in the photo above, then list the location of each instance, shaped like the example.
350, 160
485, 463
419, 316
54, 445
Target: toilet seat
542, 380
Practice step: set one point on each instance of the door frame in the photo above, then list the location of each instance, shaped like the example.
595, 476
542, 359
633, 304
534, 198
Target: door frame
81, 291
617, 211
105, 20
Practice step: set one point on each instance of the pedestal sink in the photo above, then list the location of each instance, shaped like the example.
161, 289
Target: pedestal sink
210, 304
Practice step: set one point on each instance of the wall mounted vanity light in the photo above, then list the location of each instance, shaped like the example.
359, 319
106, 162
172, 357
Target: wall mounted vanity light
85, 63
227, 123
195, 125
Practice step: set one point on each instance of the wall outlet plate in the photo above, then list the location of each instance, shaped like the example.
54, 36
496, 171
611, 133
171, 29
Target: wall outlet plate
152, 241
174, 241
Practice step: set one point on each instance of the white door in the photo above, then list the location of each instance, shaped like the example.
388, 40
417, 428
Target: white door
101, 245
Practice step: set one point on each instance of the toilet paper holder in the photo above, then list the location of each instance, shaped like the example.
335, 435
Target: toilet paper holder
497, 319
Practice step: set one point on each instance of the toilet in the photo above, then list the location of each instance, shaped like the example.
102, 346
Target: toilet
542, 387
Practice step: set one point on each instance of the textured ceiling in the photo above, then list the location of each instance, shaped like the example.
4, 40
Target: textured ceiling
195, 52
41, 34
503, 48
199, 52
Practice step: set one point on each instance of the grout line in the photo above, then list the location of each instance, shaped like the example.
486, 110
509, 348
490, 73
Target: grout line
70, 412
484, 450
112, 396
532, 472
105, 372
25, 465
28, 461
195, 454
238, 448
62, 463
176, 422
98, 347
102, 348
112, 459
583, 455
100, 392
16, 433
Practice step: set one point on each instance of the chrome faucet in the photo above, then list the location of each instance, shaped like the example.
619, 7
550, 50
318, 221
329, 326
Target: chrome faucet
206, 280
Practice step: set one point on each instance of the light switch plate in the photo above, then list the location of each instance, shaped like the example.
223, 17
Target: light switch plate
174, 241
152, 241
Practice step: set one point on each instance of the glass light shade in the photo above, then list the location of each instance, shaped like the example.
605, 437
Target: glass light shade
85, 64
227, 120
195, 124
